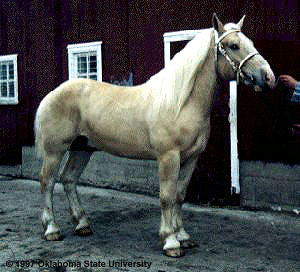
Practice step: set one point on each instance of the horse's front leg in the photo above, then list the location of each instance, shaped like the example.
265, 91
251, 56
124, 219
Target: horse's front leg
186, 172
169, 165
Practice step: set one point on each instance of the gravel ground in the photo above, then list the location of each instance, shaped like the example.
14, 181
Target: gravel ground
126, 235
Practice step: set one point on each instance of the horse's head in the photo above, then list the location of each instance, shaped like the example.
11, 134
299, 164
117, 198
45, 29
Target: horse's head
237, 58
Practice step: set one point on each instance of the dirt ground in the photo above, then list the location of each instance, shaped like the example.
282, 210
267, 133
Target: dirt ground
126, 235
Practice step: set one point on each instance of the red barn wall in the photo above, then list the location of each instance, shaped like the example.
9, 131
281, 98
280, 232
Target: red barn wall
132, 36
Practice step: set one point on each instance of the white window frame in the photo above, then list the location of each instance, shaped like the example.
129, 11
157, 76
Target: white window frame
10, 100
84, 48
187, 35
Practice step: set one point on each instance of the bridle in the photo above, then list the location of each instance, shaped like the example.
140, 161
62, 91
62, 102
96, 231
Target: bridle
236, 68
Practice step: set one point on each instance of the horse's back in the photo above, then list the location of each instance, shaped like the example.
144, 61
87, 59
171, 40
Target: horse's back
73, 96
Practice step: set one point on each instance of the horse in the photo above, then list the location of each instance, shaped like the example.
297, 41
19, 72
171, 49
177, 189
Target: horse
167, 119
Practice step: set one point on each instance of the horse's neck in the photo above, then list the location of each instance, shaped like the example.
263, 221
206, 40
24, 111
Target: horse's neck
170, 89
205, 85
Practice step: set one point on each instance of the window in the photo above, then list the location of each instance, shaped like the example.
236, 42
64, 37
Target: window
85, 60
8, 80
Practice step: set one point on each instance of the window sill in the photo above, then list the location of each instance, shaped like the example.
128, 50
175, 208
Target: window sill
12, 101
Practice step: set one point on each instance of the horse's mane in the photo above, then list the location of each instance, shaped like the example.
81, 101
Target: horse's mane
170, 87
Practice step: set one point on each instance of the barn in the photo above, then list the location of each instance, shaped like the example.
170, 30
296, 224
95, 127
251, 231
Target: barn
43, 43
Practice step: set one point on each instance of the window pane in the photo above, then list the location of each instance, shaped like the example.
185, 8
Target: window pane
11, 70
82, 76
11, 89
93, 64
93, 77
3, 72
82, 64
3, 89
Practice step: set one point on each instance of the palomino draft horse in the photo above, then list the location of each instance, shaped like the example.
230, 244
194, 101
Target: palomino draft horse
167, 119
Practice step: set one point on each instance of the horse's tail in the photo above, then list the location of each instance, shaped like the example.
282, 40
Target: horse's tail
39, 148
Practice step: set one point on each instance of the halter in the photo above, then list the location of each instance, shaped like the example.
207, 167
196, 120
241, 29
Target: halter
237, 69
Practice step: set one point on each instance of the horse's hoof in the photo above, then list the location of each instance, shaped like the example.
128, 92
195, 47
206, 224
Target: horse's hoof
85, 231
174, 252
55, 236
186, 244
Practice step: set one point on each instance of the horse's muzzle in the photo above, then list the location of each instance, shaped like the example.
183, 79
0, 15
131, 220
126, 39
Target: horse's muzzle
268, 77
264, 79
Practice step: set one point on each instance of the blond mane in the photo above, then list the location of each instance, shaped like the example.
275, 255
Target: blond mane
170, 88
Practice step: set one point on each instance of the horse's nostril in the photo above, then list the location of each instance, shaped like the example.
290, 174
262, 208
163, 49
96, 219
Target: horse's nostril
268, 78
265, 75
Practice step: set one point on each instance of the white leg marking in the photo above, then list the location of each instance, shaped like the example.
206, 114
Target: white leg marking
83, 223
182, 235
52, 228
171, 242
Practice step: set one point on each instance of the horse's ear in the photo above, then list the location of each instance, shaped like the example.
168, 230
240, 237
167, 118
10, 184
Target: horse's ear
217, 24
241, 22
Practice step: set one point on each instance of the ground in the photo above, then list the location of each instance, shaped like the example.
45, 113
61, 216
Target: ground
126, 232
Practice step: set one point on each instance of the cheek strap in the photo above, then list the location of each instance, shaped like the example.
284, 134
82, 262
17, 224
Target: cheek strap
240, 72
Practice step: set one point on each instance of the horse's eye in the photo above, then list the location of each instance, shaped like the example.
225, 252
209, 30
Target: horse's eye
234, 47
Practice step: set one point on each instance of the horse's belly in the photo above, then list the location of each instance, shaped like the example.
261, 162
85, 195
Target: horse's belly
123, 149
122, 142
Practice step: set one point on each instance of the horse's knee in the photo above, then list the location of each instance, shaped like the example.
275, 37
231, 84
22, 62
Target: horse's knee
166, 199
167, 193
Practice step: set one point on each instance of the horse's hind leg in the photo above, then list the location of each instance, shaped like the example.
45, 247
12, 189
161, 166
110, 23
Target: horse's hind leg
50, 165
76, 162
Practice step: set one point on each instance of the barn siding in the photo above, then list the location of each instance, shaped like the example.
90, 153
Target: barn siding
131, 31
